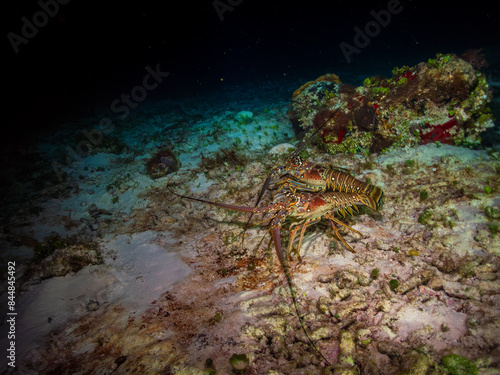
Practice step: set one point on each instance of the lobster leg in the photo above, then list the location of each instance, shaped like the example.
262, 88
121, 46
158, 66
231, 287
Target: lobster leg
293, 234
294, 185
333, 219
302, 231
291, 237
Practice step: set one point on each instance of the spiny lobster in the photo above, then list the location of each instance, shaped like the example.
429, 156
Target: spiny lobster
305, 176
311, 192
301, 175
303, 209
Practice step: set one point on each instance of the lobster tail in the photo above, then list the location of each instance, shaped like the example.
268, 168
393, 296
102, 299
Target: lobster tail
376, 194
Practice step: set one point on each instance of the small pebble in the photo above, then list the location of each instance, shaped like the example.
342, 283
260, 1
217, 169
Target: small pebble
92, 305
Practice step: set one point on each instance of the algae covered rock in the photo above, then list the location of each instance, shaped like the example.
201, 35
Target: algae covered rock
415, 363
162, 163
239, 363
442, 100
64, 259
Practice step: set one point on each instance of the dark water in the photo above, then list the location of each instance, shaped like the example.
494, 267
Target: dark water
77, 67
83, 57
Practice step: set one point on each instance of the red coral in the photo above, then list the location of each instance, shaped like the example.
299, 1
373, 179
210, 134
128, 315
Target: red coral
324, 115
438, 133
340, 136
410, 76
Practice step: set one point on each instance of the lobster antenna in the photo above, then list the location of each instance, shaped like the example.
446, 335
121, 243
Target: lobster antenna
275, 233
306, 141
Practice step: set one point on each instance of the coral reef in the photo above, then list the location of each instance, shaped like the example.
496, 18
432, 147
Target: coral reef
442, 100
475, 58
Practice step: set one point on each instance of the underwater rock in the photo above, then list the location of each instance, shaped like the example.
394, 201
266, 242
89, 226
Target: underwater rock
244, 117
458, 290
414, 281
92, 305
66, 259
223, 161
281, 149
162, 163
347, 348
239, 363
442, 100
384, 305
415, 363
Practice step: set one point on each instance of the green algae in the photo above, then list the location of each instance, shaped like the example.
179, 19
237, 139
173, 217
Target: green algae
239, 363
44, 249
455, 364
423, 195
393, 283
425, 217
